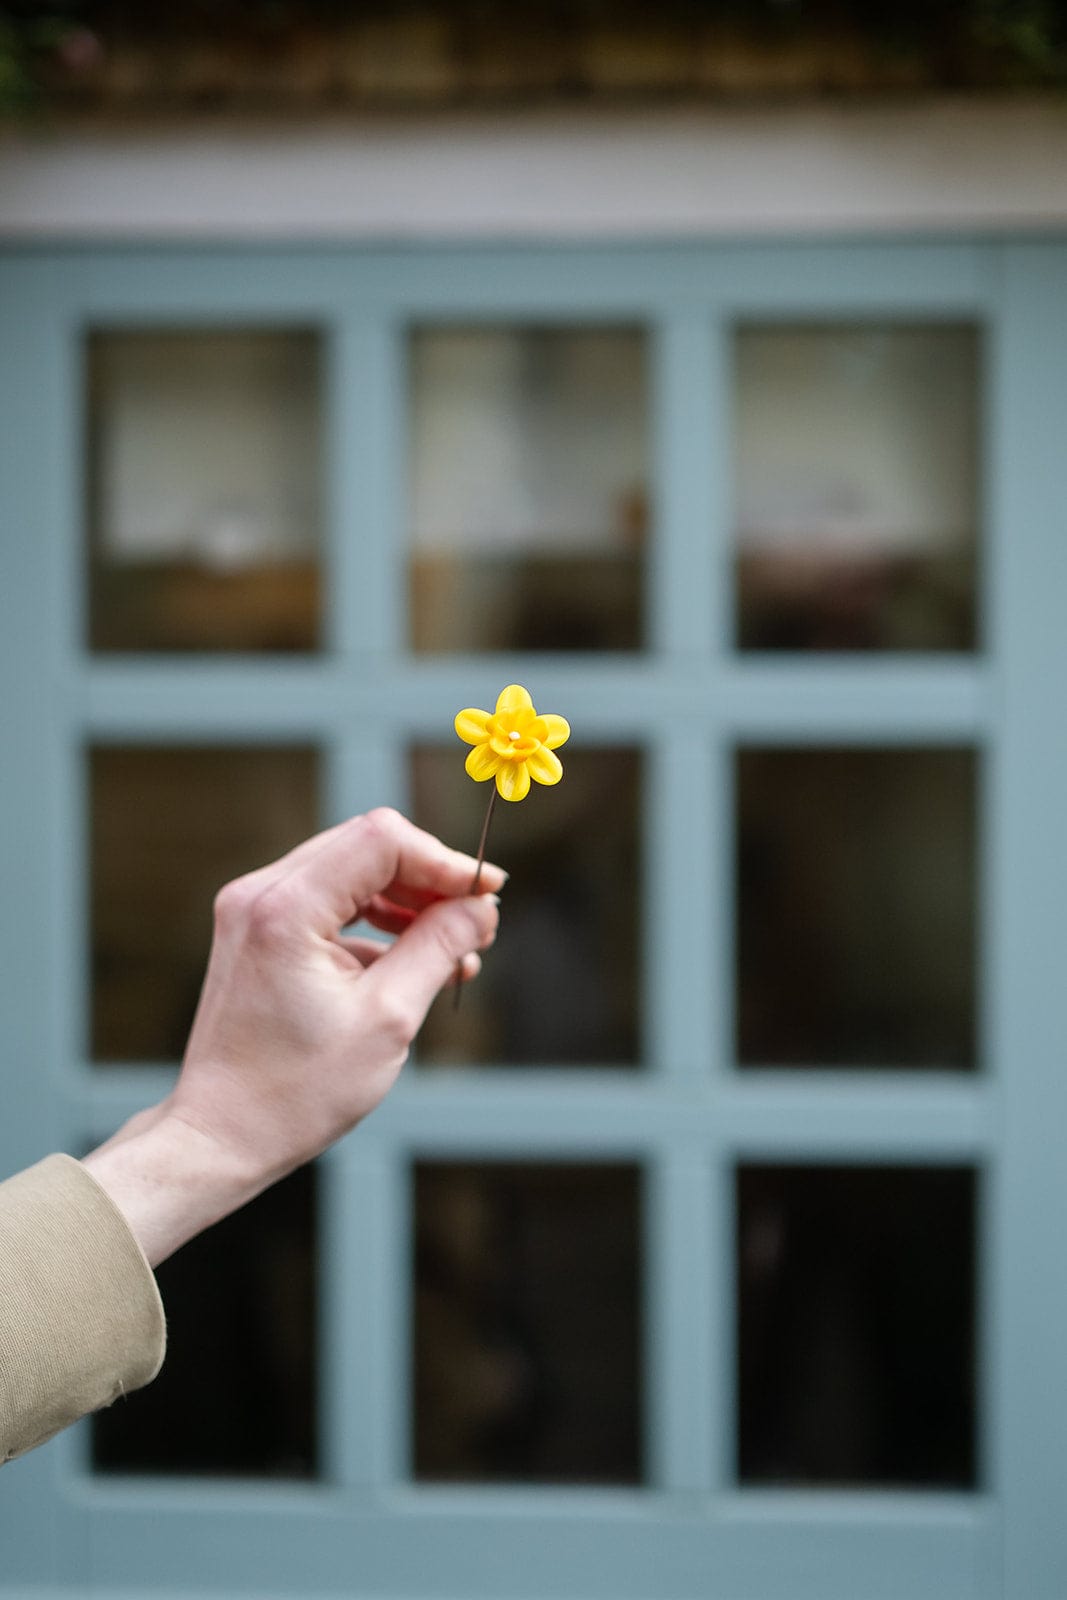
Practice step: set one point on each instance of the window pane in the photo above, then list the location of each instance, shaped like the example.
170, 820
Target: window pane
529, 488
561, 986
237, 1391
205, 493
856, 1295
168, 828
527, 1322
857, 487
856, 908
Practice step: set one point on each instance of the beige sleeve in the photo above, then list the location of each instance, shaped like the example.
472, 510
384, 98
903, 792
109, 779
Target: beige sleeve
81, 1321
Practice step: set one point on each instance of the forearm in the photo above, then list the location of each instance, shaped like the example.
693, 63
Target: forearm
170, 1180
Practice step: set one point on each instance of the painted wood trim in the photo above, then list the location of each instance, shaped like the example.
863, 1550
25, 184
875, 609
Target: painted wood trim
933, 166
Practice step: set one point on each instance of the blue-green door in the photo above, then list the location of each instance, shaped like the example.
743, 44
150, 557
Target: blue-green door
710, 1248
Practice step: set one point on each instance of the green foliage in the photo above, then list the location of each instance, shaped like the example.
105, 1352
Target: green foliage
30, 34
1031, 33
51, 45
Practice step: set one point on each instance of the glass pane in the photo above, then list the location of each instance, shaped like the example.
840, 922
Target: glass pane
856, 1295
529, 488
561, 986
205, 496
168, 828
527, 1323
857, 454
856, 908
237, 1390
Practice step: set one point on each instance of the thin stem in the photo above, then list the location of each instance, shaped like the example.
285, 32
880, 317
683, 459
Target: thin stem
482, 842
475, 886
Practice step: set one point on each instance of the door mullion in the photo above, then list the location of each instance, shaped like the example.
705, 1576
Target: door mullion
359, 1356
690, 494
684, 1324
366, 444
684, 895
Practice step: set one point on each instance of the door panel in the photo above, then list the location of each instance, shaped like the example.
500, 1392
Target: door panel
765, 1067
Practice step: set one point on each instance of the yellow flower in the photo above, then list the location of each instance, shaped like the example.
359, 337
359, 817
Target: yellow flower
513, 744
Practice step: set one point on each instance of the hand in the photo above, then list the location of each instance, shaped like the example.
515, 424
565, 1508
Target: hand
301, 1030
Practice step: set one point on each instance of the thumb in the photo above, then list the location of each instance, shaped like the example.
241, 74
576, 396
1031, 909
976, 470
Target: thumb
425, 955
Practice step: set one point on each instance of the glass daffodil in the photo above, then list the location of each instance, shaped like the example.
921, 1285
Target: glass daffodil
513, 743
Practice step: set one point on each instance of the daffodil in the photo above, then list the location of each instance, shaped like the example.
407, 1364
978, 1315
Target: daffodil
513, 744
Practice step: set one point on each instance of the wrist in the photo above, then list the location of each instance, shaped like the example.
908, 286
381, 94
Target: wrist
170, 1180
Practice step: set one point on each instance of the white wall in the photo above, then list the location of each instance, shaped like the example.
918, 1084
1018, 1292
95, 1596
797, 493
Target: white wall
931, 166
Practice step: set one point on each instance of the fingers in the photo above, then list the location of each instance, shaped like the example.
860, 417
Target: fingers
415, 899
367, 951
424, 958
466, 969
338, 873
387, 917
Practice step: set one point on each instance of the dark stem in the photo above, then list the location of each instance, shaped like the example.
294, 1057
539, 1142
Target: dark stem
476, 884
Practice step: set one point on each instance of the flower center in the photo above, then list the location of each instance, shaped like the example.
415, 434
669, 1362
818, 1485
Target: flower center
513, 735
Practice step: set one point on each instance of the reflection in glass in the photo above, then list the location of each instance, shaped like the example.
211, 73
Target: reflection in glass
856, 1332
856, 908
237, 1391
529, 488
170, 826
527, 1323
857, 454
205, 493
562, 984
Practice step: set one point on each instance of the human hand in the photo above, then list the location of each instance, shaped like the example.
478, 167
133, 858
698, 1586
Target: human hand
301, 1029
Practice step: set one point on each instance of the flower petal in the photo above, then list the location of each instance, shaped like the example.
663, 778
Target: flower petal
472, 725
558, 730
513, 698
545, 766
481, 763
513, 781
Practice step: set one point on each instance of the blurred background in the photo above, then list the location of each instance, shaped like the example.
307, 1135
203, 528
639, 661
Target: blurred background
675, 362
